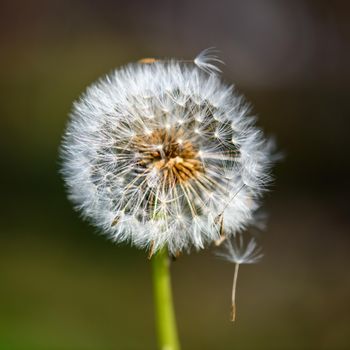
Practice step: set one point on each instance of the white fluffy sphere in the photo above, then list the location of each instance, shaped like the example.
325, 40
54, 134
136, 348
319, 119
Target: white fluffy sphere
164, 153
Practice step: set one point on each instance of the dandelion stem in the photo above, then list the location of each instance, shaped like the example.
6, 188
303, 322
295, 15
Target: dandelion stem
234, 287
165, 316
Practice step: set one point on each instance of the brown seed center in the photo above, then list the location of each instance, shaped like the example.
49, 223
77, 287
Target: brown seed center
166, 151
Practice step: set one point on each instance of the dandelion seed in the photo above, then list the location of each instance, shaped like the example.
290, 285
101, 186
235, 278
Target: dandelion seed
141, 163
206, 60
238, 252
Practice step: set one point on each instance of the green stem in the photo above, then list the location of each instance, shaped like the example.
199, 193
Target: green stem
165, 316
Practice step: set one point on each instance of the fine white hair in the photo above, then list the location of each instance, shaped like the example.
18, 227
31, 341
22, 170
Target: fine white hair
240, 250
109, 143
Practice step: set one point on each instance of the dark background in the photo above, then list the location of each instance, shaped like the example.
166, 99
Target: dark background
64, 287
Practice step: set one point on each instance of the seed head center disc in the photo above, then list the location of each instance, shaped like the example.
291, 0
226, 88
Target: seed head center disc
174, 158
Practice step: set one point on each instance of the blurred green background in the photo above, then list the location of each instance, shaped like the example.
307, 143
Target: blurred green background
62, 286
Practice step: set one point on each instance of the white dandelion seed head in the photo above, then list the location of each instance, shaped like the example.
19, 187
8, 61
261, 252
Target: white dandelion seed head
153, 153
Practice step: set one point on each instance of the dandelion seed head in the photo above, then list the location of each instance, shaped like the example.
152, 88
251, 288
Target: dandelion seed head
155, 151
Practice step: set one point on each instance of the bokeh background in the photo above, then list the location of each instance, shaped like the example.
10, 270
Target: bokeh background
62, 286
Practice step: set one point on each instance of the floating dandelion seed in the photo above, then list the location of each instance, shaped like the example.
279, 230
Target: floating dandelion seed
206, 60
238, 251
158, 150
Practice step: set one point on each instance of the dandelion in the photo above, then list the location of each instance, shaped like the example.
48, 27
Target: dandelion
164, 155
155, 152
238, 251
